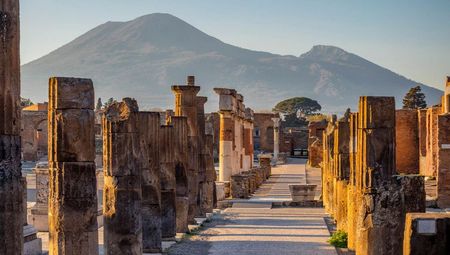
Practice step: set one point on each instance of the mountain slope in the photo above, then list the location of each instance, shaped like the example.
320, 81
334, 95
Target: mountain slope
143, 57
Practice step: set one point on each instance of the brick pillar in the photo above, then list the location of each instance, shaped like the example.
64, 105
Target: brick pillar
168, 203
431, 146
180, 169
122, 193
422, 136
407, 141
202, 153
72, 176
186, 105
11, 190
443, 161
149, 125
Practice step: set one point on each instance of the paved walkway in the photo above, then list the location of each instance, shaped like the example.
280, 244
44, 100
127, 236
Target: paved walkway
265, 231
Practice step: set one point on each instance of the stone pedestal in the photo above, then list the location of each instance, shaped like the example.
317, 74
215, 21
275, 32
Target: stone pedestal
39, 213
302, 192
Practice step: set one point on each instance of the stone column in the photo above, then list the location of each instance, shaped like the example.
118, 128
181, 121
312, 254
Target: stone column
422, 135
384, 197
202, 196
149, 125
227, 107
276, 138
351, 192
180, 171
11, 190
122, 194
168, 203
72, 177
186, 105
209, 192
247, 139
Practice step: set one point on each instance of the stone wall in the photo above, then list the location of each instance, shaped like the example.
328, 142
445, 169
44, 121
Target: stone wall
34, 134
407, 141
443, 161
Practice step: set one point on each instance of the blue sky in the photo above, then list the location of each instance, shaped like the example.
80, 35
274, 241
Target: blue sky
409, 37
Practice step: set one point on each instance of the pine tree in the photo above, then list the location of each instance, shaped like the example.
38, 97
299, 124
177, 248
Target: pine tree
414, 99
99, 105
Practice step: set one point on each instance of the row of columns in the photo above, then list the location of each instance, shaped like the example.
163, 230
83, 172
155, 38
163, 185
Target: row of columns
361, 188
156, 177
236, 134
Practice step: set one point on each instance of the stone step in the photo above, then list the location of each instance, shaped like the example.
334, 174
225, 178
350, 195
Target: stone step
253, 205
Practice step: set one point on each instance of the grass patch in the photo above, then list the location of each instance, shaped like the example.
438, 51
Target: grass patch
338, 239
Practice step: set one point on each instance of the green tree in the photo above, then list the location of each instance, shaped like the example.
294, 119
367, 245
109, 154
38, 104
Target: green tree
414, 99
109, 102
99, 104
296, 110
295, 105
24, 102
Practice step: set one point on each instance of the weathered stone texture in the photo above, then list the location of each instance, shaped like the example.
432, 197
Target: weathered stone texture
149, 125
443, 161
186, 105
432, 142
422, 135
72, 176
168, 181
407, 141
11, 190
122, 195
427, 234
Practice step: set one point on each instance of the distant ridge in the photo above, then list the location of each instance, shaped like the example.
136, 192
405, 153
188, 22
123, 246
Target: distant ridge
141, 58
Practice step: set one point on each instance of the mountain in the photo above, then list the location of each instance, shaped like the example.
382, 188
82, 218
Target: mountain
142, 58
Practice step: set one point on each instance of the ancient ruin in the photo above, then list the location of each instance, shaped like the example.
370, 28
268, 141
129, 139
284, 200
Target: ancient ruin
122, 192
72, 177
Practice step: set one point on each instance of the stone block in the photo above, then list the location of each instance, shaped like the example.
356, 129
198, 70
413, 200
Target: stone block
74, 243
376, 112
443, 161
151, 228
121, 117
72, 180
182, 209
168, 212
73, 135
302, 192
426, 234
240, 186
71, 93
122, 214
118, 150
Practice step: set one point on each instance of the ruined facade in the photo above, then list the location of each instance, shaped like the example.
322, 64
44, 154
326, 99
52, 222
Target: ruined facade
34, 132
236, 125
11, 188
361, 188
72, 176
315, 131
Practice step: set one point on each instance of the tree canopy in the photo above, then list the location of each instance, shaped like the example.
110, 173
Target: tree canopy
294, 105
24, 102
414, 99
